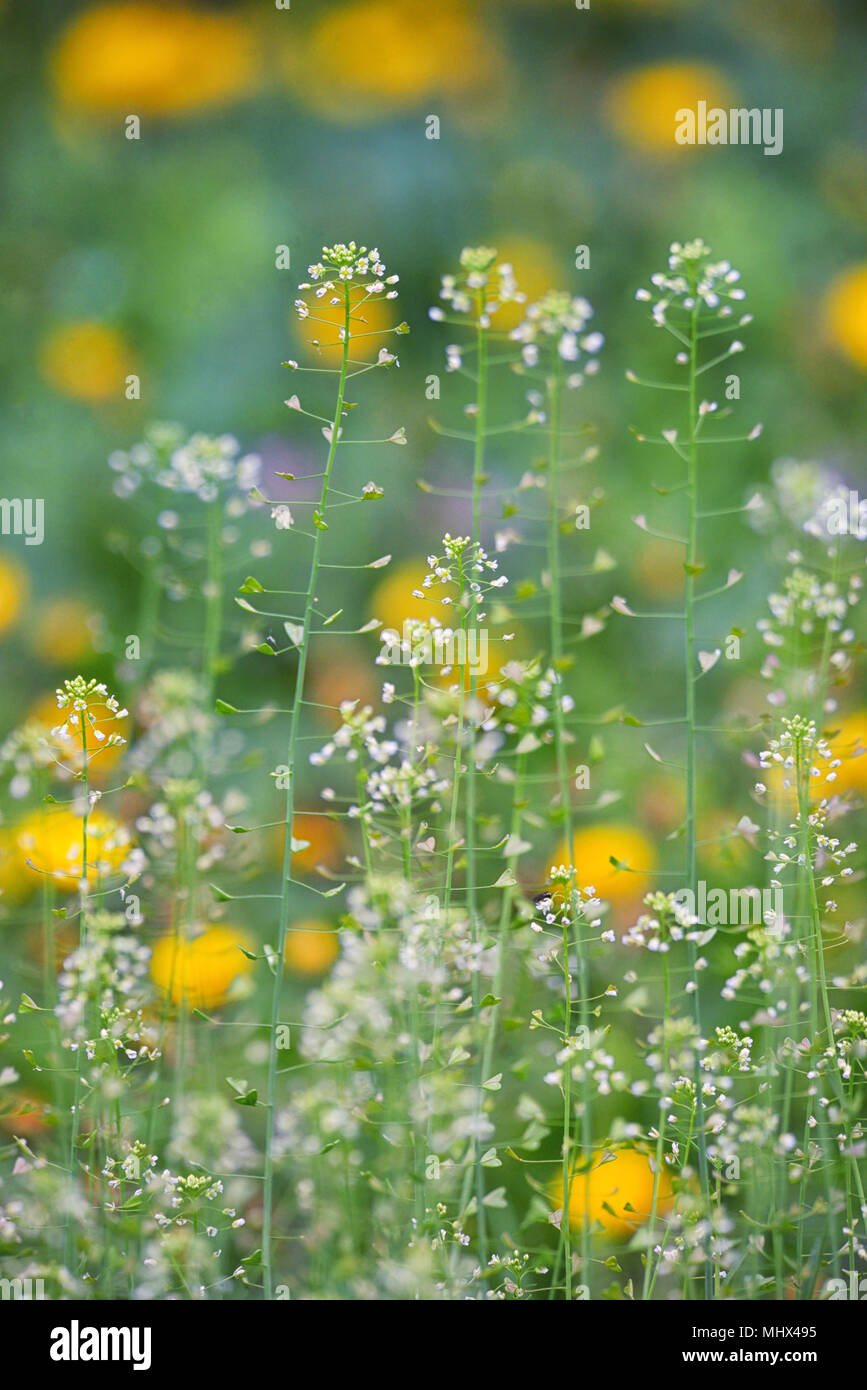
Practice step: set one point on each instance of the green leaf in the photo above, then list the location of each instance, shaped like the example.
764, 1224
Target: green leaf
251, 586
243, 1096
222, 707
493, 1083
265, 648
29, 1006
319, 520
489, 1000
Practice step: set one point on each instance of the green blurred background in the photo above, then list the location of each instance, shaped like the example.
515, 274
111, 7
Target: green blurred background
263, 127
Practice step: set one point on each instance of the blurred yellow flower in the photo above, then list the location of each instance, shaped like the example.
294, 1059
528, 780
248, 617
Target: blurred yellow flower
89, 361
311, 947
199, 970
846, 313
593, 848
14, 588
850, 738
13, 874
618, 1194
641, 104
52, 841
62, 634
373, 56
393, 600
150, 59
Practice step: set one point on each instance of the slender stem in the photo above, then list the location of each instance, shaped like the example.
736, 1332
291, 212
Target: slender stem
82, 942
690, 659
214, 598
472, 900
660, 1138
295, 720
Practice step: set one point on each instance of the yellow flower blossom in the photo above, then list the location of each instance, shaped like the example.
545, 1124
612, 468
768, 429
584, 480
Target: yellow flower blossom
847, 743
62, 633
846, 314
642, 103
311, 947
200, 970
617, 1195
369, 57
14, 588
88, 361
150, 59
593, 848
52, 841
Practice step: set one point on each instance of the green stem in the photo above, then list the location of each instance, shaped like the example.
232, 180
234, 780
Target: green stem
555, 622
82, 942
295, 720
690, 659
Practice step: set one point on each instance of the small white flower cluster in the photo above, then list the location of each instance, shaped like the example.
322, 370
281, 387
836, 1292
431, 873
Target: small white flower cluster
480, 288
557, 322
348, 263
461, 560
694, 282
795, 495
188, 819
522, 701
111, 971
829, 854
806, 606
23, 756
81, 698
798, 749
839, 512
207, 1130
568, 903
669, 920
729, 1049
201, 464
